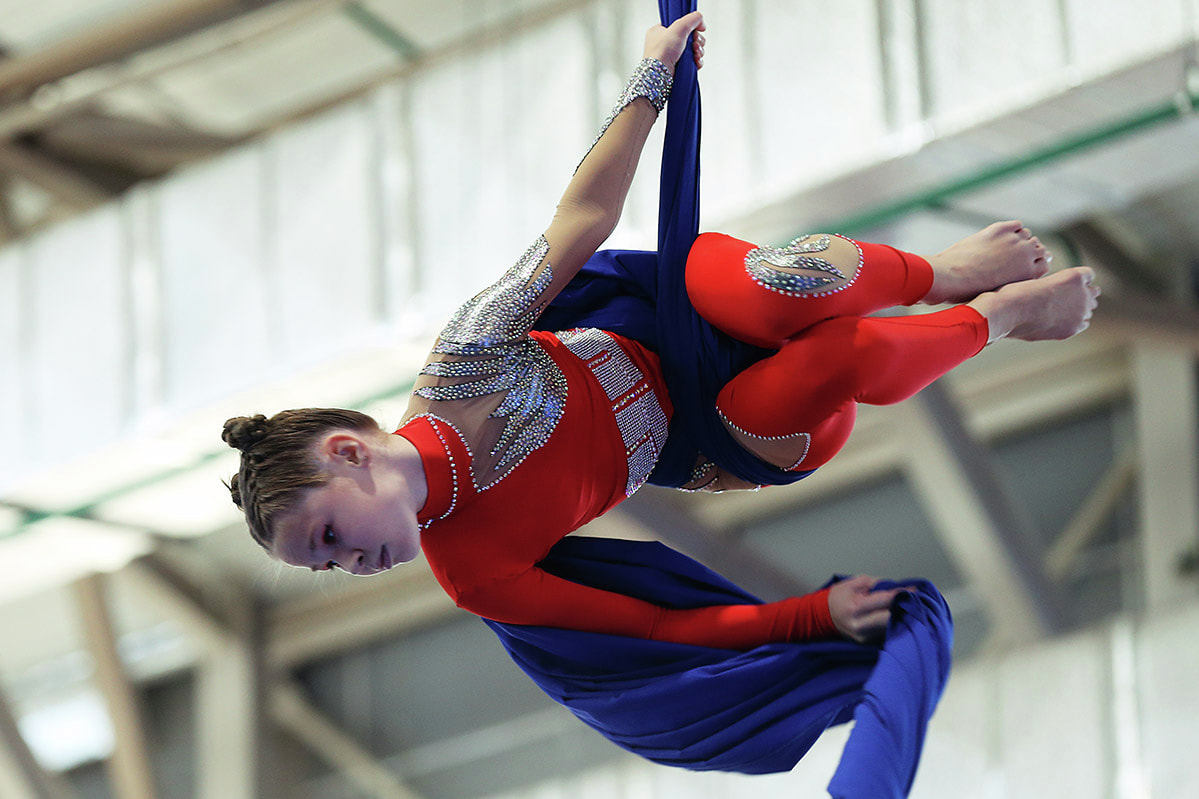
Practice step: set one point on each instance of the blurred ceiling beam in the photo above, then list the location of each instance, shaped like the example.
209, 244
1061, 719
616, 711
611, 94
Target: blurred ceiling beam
230, 698
294, 713
389, 605
1149, 320
265, 21
8, 225
1087, 521
104, 43
129, 766
65, 184
148, 147
164, 583
470, 43
666, 519
540, 728
1090, 237
988, 539
21, 776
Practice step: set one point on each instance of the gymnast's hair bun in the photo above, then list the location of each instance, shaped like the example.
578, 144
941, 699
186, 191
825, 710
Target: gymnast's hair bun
243, 432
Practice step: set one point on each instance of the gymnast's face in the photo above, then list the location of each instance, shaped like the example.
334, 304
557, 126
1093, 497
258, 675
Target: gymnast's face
359, 521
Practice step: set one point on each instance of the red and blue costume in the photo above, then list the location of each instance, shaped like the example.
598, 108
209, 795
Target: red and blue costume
526, 435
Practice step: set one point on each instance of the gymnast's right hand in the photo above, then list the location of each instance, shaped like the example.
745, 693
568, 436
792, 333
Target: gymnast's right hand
667, 44
859, 612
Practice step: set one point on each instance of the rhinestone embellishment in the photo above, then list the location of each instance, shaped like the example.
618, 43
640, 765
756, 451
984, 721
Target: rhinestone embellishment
765, 265
434, 422
639, 415
804, 437
492, 331
651, 80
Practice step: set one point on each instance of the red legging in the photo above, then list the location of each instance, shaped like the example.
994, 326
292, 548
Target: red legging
830, 356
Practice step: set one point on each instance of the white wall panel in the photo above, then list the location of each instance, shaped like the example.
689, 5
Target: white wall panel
497, 137
324, 231
978, 49
444, 171
733, 164
397, 238
1105, 34
961, 752
818, 69
217, 319
1168, 687
545, 121
1054, 718
80, 360
12, 365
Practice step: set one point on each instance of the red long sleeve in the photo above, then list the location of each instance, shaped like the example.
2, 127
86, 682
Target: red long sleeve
535, 597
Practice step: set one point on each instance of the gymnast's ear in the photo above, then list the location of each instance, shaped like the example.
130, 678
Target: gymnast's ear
345, 448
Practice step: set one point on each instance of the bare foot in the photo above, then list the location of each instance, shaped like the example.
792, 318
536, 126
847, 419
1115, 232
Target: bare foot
1055, 306
1002, 253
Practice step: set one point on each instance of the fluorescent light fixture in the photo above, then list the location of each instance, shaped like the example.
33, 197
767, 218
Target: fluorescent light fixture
70, 732
186, 505
58, 550
81, 482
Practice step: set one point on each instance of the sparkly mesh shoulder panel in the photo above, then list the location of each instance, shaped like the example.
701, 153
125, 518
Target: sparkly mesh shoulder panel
489, 352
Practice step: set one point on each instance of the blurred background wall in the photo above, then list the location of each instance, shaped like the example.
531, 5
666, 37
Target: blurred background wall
218, 207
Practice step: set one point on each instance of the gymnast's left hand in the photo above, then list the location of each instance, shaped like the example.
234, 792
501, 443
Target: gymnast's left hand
667, 44
859, 612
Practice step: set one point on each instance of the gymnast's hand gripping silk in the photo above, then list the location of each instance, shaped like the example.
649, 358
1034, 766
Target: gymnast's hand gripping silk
700, 708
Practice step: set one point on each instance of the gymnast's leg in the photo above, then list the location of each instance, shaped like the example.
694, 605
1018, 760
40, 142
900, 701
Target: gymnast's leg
796, 408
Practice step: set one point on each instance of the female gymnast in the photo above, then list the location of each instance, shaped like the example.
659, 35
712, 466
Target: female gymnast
514, 437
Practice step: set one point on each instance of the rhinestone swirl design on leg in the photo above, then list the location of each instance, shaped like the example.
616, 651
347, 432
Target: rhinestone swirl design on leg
766, 264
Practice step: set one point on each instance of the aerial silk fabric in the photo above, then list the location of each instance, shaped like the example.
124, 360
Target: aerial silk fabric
643, 295
752, 712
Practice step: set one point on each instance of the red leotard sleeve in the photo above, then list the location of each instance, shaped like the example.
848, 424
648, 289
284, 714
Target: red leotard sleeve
538, 598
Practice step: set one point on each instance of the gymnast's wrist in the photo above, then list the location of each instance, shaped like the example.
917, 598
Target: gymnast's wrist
652, 79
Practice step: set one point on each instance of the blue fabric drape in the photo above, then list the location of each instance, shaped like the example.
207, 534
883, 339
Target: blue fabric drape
752, 712
643, 295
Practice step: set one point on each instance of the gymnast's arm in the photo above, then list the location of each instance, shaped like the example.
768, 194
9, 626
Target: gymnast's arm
535, 597
593, 201
588, 210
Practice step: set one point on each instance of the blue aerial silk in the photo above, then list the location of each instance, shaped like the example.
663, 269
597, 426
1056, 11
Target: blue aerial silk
643, 295
696, 707
752, 712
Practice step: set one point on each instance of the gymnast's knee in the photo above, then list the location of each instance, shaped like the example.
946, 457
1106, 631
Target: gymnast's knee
767, 295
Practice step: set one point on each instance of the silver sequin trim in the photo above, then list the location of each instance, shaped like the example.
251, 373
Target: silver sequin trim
434, 420
805, 437
702, 471
639, 416
699, 473
765, 265
652, 80
505, 311
492, 330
